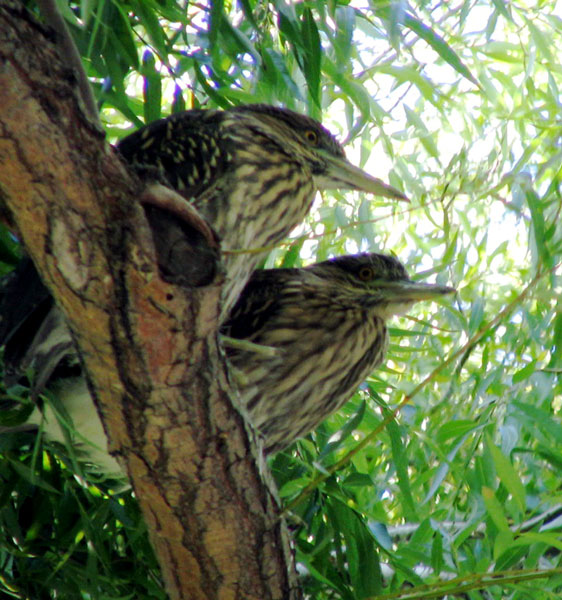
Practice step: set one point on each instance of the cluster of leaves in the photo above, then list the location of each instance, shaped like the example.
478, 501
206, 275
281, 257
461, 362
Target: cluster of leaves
64, 538
461, 490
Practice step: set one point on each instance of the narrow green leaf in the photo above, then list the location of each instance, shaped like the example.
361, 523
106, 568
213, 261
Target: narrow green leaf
503, 543
552, 457
312, 55
442, 470
354, 90
397, 332
178, 105
330, 583
410, 75
124, 37
149, 18
556, 352
381, 535
455, 428
540, 40
345, 431
525, 372
115, 69
392, 15
209, 89
239, 42
536, 208
31, 476
152, 88
249, 13
535, 416
362, 556
437, 552
278, 62
119, 101
495, 509
476, 315
217, 10
292, 255
532, 537
345, 19
366, 568
508, 475
358, 480
292, 487
439, 45
288, 24
426, 138
451, 249
400, 460
501, 7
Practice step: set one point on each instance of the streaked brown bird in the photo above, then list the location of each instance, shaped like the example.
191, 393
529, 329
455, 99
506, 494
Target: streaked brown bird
326, 326
251, 172
320, 331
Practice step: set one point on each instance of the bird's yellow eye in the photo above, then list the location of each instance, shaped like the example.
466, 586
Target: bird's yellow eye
366, 273
311, 137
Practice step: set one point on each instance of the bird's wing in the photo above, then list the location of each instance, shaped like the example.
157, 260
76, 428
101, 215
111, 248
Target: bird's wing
258, 303
184, 151
188, 153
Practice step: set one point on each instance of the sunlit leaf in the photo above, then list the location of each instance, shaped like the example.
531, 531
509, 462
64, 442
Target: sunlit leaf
524, 373
439, 45
496, 513
502, 8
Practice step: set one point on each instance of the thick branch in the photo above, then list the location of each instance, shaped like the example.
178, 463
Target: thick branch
150, 349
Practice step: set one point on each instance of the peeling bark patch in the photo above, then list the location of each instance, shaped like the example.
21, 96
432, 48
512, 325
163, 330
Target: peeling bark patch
72, 261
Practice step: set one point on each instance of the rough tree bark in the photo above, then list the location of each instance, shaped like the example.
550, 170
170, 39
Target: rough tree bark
150, 349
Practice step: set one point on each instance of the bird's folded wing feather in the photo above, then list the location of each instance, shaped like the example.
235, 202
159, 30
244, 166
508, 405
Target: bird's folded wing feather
185, 151
257, 305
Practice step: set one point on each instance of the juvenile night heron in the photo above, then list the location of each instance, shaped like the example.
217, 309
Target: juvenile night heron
320, 330
326, 325
251, 172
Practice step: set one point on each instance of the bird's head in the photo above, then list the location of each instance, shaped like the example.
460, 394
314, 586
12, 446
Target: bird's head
374, 282
307, 140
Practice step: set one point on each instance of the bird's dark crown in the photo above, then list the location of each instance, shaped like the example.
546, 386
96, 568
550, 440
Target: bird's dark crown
310, 132
363, 268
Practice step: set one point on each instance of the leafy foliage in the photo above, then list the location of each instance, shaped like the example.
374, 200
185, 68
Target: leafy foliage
442, 475
62, 535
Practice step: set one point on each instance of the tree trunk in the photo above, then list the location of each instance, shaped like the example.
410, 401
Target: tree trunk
150, 349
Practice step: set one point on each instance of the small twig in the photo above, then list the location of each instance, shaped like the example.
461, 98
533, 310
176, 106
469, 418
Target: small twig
474, 581
315, 236
407, 529
434, 327
247, 346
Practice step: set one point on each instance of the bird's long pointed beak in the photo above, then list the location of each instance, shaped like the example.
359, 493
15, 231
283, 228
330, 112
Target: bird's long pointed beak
342, 175
411, 291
